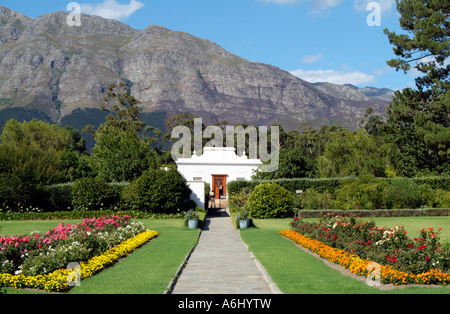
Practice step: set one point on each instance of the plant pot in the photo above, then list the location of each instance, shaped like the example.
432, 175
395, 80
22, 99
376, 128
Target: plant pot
193, 223
244, 223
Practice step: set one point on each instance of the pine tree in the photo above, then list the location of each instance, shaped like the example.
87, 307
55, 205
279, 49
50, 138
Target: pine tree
424, 112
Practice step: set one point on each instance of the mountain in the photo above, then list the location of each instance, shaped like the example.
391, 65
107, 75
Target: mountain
60, 73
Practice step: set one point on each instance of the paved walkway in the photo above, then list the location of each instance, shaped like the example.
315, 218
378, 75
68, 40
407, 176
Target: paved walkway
222, 264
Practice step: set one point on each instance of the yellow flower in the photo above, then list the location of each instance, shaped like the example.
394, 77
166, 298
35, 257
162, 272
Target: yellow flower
57, 280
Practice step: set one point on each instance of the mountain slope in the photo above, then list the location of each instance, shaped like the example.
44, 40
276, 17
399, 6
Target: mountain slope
51, 68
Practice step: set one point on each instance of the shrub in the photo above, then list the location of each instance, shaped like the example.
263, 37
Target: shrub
401, 193
58, 196
364, 192
157, 191
442, 198
238, 200
269, 200
93, 194
311, 199
427, 195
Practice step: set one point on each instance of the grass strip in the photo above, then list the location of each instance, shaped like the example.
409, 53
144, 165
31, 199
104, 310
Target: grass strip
297, 272
150, 269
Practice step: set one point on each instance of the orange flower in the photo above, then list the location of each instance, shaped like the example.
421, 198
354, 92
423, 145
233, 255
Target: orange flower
358, 266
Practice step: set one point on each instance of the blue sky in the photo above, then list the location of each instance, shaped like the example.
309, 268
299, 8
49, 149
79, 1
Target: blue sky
317, 40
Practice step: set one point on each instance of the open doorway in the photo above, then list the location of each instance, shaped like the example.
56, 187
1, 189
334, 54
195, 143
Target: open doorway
219, 186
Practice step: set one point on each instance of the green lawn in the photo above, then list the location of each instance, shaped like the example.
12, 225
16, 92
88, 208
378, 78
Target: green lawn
147, 270
297, 272
151, 268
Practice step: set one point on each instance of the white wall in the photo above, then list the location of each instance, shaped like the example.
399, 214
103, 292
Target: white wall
198, 192
217, 161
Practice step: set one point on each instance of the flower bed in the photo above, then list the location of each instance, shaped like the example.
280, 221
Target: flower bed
40, 261
355, 244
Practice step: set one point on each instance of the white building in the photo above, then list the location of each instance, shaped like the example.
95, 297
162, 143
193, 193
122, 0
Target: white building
217, 166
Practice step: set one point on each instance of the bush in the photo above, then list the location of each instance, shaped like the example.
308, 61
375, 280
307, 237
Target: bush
157, 191
237, 201
364, 192
269, 200
93, 194
402, 193
311, 199
58, 196
442, 198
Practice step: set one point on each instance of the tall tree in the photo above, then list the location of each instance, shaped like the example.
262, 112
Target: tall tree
419, 119
123, 150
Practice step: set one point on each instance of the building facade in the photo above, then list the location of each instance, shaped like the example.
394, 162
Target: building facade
217, 166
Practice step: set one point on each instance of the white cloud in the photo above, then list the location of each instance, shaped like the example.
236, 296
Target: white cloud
111, 9
312, 59
335, 77
385, 5
320, 6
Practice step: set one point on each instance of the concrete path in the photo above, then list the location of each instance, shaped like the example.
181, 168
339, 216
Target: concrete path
222, 264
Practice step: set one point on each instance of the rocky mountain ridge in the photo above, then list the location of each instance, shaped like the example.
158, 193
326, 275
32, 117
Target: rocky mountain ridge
52, 69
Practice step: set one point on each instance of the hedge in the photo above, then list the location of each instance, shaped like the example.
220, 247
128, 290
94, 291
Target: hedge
331, 184
59, 197
376, 213
78, 214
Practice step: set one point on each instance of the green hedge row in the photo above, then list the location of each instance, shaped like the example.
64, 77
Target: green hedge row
78, 214
330, 184
81, 195
156, 191
376, 213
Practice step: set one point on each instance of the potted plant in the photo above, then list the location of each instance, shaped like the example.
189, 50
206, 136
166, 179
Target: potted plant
192, 219
243, 218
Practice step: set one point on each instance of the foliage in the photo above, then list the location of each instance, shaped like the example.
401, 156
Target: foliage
58, 197
238, 200
120, 155
386, 246
351, 154
402, 193
32, 155
312, 199
364, 192
191, 215
242, 214
157, 191
419, 120
122, 150
24, 171
76, 214
269, 200
93, 194
442, 198
39, 261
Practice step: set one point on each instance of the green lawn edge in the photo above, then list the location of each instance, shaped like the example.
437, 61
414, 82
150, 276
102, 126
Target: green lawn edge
297, 272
